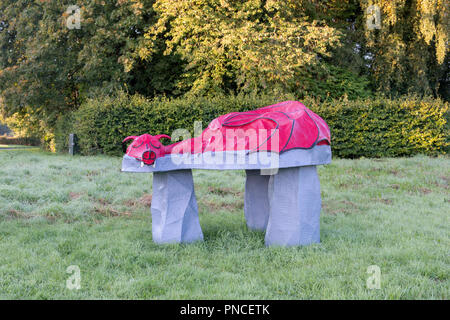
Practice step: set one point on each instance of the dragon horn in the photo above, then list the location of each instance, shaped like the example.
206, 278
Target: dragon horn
160, 136
124, 147
129, 138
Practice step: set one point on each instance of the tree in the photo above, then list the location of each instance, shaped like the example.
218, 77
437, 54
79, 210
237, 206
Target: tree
408, 51
164, 47
238, 45
47, 69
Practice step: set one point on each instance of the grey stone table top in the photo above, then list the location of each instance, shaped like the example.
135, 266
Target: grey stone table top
317, 155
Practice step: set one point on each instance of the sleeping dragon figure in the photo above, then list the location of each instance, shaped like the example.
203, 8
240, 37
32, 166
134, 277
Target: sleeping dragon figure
293, 125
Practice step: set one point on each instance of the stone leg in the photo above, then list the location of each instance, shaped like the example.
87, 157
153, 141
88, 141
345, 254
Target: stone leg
294, 197
256, 201
174, 208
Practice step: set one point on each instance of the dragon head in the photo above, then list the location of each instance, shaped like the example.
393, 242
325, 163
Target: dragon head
145, 148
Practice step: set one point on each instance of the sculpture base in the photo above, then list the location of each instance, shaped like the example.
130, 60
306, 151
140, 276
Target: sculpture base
238, 160
174, 208
295, 203
256, 200
286, 205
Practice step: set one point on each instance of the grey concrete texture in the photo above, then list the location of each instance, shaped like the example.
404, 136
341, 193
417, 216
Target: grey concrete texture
256, 200
317, 155
174, 208
285, 205
295, 204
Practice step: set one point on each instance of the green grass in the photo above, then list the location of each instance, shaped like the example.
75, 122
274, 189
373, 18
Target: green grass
57, 211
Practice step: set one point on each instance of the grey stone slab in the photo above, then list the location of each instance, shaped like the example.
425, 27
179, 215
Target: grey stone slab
295, 204
233, 160
174, 208
256, 200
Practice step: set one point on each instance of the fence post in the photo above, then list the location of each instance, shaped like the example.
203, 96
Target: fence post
73, 144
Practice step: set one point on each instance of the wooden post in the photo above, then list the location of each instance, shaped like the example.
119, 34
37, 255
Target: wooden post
73, 144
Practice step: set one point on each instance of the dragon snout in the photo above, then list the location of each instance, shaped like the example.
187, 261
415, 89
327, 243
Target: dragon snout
145, 148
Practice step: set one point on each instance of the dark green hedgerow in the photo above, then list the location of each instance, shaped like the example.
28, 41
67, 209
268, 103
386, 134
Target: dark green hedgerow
377, 127
386, 128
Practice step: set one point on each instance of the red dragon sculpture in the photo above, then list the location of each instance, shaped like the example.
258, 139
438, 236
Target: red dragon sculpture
295, 127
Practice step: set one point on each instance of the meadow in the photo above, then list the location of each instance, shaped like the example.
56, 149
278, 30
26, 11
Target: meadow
57, 211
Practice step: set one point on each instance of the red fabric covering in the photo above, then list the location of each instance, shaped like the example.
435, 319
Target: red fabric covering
277, 128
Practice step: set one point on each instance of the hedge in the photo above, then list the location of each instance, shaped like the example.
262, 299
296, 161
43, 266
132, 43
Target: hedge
24, 141
362, 128
387, 128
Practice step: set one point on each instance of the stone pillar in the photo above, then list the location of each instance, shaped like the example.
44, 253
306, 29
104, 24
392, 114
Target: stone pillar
256, 201
295, 203
174, 208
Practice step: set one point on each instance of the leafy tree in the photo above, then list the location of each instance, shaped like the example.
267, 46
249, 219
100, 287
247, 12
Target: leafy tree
112, 30
48, 69
408, 53
238, 45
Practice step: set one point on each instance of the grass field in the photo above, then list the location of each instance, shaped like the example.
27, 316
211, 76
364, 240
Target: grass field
57, 211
